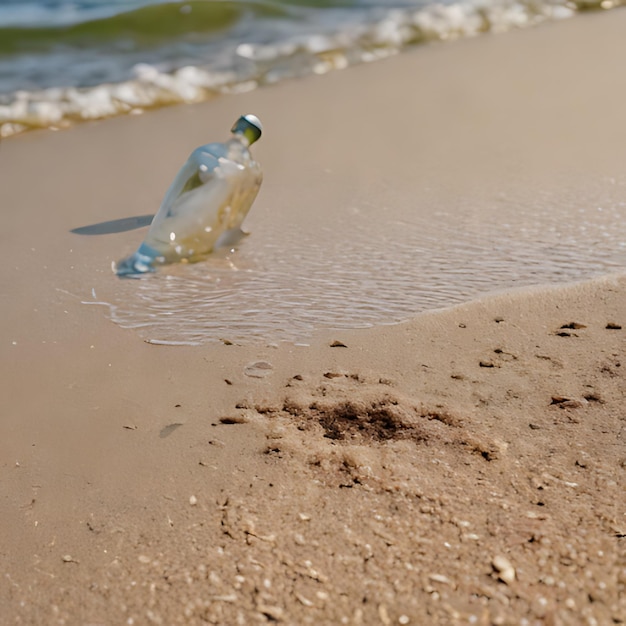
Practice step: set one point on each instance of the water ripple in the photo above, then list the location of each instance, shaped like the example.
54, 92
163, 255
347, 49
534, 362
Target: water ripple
350, 275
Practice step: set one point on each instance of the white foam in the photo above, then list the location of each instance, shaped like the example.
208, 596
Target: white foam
264, 64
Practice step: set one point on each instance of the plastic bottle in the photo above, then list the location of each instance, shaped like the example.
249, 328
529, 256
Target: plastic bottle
205, 204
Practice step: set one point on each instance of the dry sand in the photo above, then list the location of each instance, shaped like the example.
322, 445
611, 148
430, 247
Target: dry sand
466, 467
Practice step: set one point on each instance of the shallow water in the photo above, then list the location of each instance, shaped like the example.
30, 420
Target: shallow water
346, 274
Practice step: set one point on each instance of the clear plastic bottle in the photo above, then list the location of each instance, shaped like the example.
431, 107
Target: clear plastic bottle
205, 204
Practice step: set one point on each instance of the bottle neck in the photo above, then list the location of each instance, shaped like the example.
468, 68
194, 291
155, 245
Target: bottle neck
244, 137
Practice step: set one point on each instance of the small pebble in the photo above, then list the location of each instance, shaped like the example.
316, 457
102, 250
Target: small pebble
303, 600
193, 500
506, 571
259, 369
332, 375
234, 419
440, 578
384, 615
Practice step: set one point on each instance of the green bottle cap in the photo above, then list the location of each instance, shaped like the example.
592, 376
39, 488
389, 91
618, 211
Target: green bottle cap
249, 126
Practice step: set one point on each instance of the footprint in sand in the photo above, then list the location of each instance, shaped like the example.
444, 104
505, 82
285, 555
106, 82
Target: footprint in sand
348, 410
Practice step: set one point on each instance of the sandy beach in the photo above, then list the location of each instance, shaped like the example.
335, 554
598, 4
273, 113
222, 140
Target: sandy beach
466, 466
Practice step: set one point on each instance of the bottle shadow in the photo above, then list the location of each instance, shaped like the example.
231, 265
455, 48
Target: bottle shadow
114, 226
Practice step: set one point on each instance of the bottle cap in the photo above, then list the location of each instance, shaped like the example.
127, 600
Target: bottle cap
250, 126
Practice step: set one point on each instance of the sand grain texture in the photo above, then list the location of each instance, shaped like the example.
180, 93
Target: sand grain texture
349, 491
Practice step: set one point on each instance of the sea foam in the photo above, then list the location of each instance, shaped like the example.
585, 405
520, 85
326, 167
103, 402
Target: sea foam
249, 64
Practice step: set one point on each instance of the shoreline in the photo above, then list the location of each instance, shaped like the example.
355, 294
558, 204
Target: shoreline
461, 467
58, 108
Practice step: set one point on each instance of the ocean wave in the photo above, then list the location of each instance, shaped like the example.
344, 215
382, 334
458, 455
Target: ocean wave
250, 64
32, 13
147, 26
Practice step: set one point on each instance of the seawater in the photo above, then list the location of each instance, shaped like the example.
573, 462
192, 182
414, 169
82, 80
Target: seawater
283, 286
62, 62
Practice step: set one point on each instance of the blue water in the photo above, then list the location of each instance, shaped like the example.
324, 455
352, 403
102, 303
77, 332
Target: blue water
77, 44
62, 62
60, 12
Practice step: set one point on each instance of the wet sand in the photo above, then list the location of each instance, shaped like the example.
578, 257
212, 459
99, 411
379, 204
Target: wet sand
466, 466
